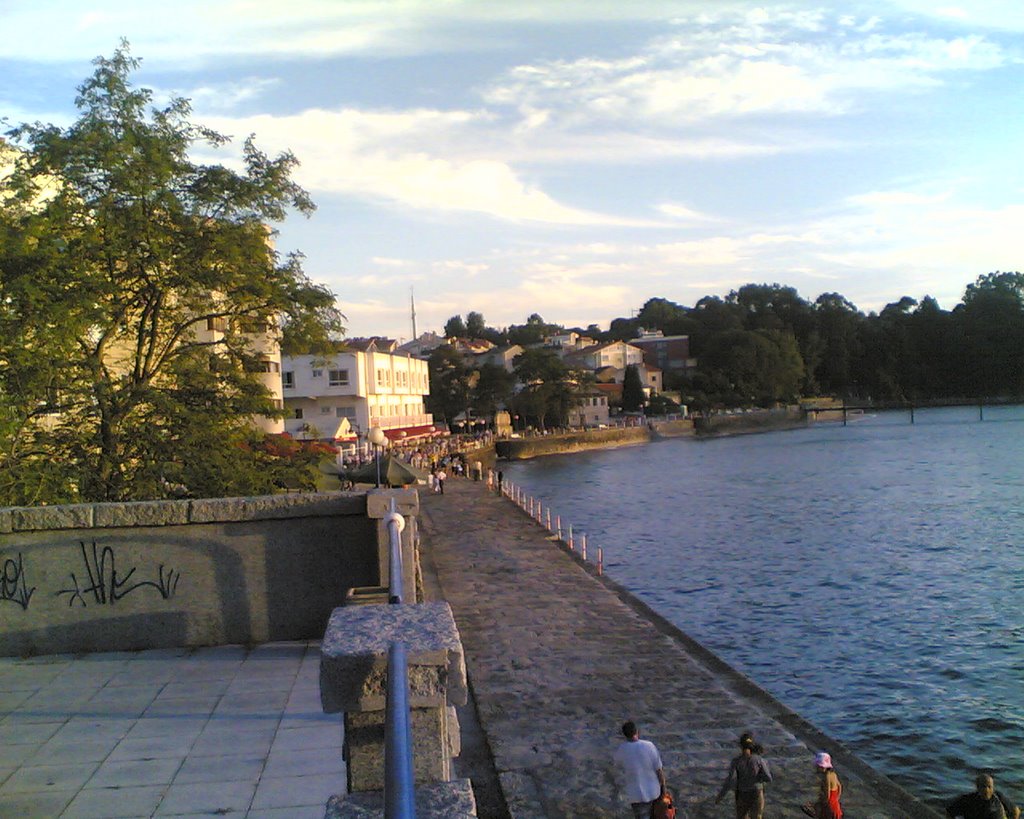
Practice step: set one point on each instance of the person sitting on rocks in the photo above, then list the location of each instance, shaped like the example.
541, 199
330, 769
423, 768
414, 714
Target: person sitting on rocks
984, 802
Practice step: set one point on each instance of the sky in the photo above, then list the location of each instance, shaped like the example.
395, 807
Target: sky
574, 158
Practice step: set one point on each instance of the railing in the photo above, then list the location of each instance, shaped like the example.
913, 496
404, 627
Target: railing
534, 508
399, 790
396, 574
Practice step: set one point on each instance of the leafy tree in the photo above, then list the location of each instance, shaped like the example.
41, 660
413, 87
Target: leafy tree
117, 253
752, 366
667, 316
839, 327
632, 389
455, 327
451, 383
475, 325
991, 319
532, 332
493, 388
549, 386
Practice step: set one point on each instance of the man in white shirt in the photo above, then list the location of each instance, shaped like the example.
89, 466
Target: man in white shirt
640, 763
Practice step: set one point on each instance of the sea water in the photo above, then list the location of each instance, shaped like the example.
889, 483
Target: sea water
870, 576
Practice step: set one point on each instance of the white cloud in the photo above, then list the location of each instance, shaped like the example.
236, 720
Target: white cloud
683, 213
386, 156
729, 65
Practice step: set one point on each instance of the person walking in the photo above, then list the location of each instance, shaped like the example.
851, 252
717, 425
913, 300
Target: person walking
829, 790
441, 477
501, 477
748, 774
642, 772
984, 802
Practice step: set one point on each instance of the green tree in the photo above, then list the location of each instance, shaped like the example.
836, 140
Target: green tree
451, 383
752, 366
117, 252
493, 389
991, 320
632, 390
455, 327
839, 331
549, 387
475, 325
532, 332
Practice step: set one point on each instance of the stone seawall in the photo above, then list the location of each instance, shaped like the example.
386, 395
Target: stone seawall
518, 449
751, 422
118, 576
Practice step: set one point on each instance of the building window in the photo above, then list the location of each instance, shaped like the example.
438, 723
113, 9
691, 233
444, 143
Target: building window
288, 379
338, 378
265, 365
218, 324
345, 412
317, 373
298, 412
325, 410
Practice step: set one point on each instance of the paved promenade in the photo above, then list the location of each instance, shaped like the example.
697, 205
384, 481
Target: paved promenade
559, 658
210, 732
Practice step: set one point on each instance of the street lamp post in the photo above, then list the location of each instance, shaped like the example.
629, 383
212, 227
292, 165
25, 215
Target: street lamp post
376, 437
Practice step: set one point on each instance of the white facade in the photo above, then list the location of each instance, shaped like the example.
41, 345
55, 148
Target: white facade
263, 341
364, 389
616, 354
592, 411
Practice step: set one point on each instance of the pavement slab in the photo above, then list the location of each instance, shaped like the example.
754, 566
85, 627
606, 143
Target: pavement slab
228, 730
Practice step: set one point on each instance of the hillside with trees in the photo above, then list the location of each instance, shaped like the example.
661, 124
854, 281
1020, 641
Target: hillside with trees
764, 344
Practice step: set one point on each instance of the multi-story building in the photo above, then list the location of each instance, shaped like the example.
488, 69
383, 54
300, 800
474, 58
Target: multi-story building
617, 354
592, 411
669, 353
263, 342
341, 397
609, 362
503, 357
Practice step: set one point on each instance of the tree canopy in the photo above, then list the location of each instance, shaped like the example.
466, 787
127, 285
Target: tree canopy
139, 294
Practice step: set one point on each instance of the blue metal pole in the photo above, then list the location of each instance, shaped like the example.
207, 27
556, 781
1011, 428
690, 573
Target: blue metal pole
399, 784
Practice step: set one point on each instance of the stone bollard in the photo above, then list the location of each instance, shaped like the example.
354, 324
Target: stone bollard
353, 680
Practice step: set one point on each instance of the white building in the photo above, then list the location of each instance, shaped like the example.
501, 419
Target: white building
341, 397
617, 354
263, 342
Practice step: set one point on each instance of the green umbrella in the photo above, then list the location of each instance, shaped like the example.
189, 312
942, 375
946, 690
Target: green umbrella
393, 472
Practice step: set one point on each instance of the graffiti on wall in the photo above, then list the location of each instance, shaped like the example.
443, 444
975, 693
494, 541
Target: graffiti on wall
13, 585
102, 584
96, 579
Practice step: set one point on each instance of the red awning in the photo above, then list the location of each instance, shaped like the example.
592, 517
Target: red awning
408, 433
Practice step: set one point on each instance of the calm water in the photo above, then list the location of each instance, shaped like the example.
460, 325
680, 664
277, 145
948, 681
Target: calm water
870, 576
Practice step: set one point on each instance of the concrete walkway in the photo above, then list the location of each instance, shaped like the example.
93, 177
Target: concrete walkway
558, 658
205, 732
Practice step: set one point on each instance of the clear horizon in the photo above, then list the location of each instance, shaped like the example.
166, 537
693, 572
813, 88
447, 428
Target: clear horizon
575, 159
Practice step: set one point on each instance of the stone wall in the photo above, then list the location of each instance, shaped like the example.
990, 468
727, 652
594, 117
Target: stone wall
748, 422
104, 577
515, 449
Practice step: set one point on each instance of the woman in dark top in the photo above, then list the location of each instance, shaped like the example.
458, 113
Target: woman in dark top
749, 772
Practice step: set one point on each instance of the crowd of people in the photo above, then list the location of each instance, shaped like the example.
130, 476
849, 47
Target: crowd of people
645, 786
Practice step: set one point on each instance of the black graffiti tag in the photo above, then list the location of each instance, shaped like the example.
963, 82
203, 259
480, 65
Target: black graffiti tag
13, 586
107, 586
